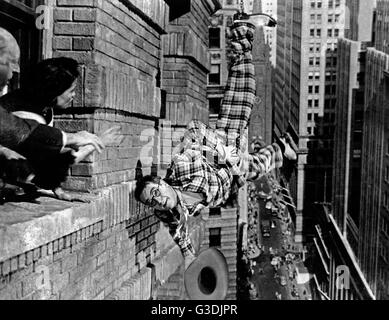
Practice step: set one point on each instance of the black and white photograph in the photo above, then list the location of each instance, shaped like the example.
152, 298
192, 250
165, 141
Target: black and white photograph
194, 150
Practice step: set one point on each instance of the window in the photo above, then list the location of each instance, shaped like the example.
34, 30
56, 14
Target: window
387, 147
318, 18
317, 76
330, 32
309, 129
309, 116
214, 38
336, 34
214, 107
18, 18
215, 237
316, 103
330, 3
317, 89
386, 199
313, 4
312, 32
319, 4
312, 17
312, 48
214, 75
337, 18
317, 61
311, 61
384, 252
387, 174
385, 226
215, 211
310, 76
329, 62
310, 89
318, 32
310, 103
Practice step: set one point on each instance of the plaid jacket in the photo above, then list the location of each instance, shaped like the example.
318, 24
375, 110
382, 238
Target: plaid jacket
176, 221
190, 171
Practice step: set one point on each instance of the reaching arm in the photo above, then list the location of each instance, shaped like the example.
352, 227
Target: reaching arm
111, 136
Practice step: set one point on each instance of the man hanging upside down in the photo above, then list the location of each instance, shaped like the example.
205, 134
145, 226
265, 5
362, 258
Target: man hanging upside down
212, 164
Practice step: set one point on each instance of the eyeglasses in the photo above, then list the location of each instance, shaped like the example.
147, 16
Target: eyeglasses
154, 193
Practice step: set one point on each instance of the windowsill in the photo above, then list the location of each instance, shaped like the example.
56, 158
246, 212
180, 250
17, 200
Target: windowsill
25, 226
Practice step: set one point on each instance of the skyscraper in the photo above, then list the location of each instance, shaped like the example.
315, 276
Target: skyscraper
305, 93
339, 227
270, 7
373, 251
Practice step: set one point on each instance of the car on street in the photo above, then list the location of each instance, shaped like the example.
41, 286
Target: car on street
283, 281
265, 227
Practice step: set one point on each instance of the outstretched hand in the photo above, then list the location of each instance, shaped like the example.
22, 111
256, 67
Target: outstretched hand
112, 136
84, 138
10, 154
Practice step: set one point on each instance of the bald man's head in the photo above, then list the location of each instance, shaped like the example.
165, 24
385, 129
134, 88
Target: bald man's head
9, 56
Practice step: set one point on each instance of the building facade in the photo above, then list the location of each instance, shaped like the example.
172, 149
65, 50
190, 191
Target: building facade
374, 215
270, 7
144, 66
305, 95
360, 196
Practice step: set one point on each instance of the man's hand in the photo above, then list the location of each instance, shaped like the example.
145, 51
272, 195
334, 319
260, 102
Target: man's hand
10, 154
228, 153
84, 138
112, 136
198, 209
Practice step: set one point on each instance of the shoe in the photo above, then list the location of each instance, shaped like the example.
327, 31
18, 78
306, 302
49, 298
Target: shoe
289, 140
257, 19
289, 153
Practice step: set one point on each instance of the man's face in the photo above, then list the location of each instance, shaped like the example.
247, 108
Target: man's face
159, 196
9, 63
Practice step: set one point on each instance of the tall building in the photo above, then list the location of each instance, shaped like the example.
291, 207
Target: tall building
305, 94
270, 7
218, 47
339, 228
262, 113
349, 118
373, 250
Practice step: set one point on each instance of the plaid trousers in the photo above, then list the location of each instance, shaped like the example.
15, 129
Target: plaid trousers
231, 128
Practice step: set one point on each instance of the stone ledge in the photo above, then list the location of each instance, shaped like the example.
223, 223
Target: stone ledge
26, 226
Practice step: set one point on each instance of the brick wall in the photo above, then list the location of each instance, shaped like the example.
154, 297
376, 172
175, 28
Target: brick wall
112, 247
227, 221
118, 44
185, 67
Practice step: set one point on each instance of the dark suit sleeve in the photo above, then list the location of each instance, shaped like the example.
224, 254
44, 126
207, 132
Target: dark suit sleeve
28, 136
